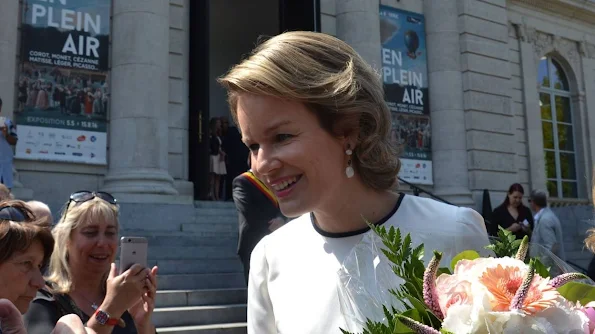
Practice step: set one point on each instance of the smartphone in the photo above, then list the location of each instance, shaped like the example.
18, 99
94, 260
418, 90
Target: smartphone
2, 121
133, 250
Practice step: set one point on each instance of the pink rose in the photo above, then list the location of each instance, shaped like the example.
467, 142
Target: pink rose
590, 312
451, 292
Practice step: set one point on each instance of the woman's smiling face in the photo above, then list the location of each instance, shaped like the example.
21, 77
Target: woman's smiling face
299, 160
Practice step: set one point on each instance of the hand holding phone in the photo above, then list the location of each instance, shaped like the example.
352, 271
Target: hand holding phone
133, 250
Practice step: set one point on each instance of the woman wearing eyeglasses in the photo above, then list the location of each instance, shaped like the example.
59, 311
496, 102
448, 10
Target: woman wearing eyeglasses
25, 247
82, 278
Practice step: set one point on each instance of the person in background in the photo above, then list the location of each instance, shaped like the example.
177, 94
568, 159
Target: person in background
258, 214
548, 229
41, 211
11, 322
7, 140
236, 155
217, 159
590, 243
26, 245
4, 193
512, 214
82, 278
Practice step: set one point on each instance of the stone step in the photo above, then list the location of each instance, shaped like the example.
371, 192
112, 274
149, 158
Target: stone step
201, 281
214, 205
198, 266
157, 217
209, 228
222, 219
222, 211
235, 328
200, 235
199, 315
185, 239
180, 298
194, 252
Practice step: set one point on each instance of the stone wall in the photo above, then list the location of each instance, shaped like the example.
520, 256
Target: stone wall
487, 97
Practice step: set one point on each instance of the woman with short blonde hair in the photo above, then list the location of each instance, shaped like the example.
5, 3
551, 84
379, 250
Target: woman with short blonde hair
312, 113
82, 277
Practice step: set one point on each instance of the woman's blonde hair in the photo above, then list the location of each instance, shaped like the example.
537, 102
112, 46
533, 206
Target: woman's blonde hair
335, 83
75, 215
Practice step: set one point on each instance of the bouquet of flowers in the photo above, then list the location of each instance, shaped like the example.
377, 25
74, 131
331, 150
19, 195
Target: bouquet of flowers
507, 292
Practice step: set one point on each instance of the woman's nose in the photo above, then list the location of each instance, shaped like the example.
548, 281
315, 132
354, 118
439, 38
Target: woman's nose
37, 280
265, 163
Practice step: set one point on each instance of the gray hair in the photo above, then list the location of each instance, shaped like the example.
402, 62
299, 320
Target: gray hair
41, 210
539, 197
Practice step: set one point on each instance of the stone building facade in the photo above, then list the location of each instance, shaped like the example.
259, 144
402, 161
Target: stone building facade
484, 59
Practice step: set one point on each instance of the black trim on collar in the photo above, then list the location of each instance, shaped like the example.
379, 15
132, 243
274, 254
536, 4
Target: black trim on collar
356, 232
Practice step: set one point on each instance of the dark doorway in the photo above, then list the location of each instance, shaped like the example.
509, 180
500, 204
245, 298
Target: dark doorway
222, 32
198, 130
299, 15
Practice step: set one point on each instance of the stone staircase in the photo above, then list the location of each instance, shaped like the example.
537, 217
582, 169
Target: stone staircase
201, 283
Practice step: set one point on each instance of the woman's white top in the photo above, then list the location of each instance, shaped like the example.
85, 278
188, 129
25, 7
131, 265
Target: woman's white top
293, 286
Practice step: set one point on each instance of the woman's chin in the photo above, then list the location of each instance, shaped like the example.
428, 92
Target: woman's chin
292, 210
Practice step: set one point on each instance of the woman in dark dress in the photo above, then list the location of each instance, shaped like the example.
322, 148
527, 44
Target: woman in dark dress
513, 215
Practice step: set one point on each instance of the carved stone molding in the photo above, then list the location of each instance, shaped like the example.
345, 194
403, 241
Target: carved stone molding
589, 50
544, 43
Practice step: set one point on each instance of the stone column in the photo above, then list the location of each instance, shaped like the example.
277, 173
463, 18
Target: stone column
138, 151
449, 143
9, 24
9, 34
358, 24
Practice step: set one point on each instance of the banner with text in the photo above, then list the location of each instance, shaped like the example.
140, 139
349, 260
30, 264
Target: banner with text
405, 77
63, 91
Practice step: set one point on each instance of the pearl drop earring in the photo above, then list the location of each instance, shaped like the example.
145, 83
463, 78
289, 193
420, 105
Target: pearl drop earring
349, 170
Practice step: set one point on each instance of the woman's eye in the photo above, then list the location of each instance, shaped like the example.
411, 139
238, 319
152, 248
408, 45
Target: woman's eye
89, 234
283, 137
110, 234
28, 265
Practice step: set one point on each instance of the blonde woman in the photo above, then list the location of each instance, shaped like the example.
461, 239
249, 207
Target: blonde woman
313, 115
82, 277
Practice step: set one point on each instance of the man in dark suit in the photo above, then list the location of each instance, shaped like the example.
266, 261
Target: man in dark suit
236, 155
258, 212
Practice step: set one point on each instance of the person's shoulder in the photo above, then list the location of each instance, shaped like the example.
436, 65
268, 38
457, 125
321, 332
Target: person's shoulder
428, 205
44, 294
455, 217
243, 180
296, 230
550, 216
500, 208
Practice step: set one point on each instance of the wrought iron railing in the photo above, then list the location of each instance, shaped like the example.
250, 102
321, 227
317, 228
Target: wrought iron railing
417, 191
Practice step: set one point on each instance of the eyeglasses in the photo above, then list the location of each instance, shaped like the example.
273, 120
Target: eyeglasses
86, 195
13, 214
